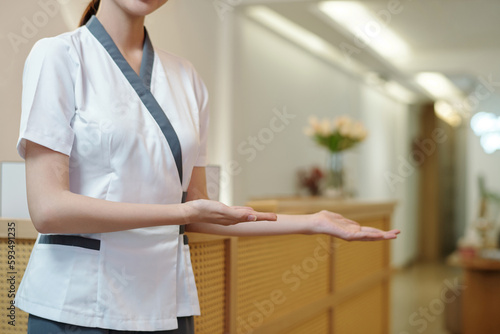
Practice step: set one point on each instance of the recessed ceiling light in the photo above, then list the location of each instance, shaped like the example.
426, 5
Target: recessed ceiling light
366, 27
438, 86
303, 37
447, 113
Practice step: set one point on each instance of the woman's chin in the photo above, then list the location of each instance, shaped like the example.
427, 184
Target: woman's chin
141, 7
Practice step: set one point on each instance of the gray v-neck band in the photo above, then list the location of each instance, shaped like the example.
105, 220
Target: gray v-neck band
141, 84
148, 57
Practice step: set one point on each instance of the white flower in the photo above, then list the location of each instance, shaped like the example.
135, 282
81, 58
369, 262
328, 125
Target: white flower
345, 128
339, 122
358, 131
344, 125
314, 123
325, 128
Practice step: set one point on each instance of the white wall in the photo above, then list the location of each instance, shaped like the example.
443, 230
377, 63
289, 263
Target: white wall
271, 74
16, 39
385, 168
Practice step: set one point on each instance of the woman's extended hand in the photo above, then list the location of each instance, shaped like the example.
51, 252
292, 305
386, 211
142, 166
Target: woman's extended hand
337, 225
207, 211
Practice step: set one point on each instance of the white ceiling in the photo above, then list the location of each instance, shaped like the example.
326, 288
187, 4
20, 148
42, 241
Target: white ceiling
446, 24
460, 38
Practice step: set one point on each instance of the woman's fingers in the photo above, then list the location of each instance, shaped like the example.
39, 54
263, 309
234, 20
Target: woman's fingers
247, 214
218, 213
252, 215
373, 229
265, 216
341, 227
370, 229
372, 236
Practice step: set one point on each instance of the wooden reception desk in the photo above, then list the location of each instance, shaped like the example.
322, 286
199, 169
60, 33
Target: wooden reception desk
481, 293
283, 284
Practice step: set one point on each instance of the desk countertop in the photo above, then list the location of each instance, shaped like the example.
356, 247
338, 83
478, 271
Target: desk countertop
476, 263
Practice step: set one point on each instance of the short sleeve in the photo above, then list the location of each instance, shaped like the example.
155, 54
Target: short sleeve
48, 98
202, 101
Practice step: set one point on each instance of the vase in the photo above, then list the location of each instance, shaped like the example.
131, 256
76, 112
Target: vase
334, 178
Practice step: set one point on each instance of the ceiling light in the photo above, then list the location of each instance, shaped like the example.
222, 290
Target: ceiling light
286, 27
302, 37
399, 92
366, 27
437, 85
447, 113
389, 87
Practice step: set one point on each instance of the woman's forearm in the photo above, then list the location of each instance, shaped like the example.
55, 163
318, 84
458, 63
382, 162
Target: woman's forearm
67, 212
55, 209
285, 224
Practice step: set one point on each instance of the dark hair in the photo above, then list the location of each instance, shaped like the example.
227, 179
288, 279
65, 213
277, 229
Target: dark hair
91, 9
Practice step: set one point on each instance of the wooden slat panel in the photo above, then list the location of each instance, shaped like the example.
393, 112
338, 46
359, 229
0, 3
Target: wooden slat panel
295, 267
317, 325
231, 286
362, 314
208, 260
355, 260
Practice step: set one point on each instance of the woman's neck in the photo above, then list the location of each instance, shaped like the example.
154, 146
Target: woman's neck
127, 31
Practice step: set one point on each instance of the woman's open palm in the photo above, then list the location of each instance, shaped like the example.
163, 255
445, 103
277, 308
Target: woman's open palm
337, 225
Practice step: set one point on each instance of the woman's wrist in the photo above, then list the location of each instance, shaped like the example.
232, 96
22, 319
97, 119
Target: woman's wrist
300, 224
189, 213
314, 225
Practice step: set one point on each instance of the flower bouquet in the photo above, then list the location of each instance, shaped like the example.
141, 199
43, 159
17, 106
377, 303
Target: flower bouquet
336, 135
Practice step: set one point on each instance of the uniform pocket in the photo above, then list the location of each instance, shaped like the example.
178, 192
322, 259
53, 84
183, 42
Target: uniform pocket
63, 277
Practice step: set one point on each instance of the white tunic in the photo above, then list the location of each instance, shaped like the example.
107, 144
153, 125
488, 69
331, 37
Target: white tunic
77, 101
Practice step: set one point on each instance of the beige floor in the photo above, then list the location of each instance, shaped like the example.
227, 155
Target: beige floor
417, 305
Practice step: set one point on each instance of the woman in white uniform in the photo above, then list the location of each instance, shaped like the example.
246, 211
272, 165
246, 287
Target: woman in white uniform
114, 137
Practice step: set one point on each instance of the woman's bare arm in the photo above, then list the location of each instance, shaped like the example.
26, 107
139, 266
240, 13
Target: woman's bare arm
322, 222
54, 209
